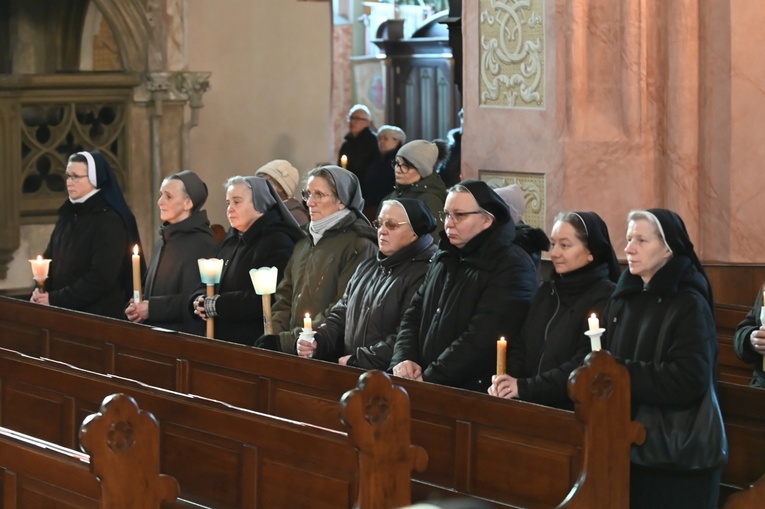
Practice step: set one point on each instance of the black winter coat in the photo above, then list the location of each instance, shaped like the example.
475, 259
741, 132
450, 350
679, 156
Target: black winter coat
364, 323
90, 255
379, 181
267, 243
174, 273
361, 150
743, 346
635, 315
552, 342
470, 297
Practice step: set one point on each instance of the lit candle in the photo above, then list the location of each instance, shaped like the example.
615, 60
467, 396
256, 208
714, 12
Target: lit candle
344, 161
501, 356
264, 280
594, 323
307, 322
210, 270
136, 274
40, 269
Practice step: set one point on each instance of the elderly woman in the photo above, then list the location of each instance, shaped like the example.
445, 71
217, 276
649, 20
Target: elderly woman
379, 178
478, 288
184, 237
263, 233
361, 329
91, 243
414, 170
552, 342
660, 325
284, 178
339, 239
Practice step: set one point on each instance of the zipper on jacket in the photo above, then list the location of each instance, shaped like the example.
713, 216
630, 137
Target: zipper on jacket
549, 322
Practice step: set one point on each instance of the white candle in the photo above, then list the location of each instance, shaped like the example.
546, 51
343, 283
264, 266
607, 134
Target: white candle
344, 161
40, 269
136, 274
307, 324
594, 323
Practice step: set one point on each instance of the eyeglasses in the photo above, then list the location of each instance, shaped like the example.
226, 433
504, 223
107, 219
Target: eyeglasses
317, 196
456, 217
404, 166
389, 224
74, 178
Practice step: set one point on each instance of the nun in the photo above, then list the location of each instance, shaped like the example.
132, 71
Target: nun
552, 342
184, 237
478, 288
339, 238
91, 243
263, 233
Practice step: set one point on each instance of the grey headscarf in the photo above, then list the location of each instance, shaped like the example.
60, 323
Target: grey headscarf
265, 198
347, 187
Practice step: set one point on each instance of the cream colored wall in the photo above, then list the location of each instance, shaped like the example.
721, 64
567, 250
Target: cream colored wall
662, 105
270, 87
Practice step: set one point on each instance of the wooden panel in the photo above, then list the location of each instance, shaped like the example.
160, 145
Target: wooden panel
151, 368
79, 351
42, 413
735, 284
234, 387
286, 486
27, 339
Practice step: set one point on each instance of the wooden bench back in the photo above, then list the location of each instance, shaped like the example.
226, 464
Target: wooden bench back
120, 469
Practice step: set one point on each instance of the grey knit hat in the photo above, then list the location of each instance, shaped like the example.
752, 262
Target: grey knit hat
422, 154
513, 196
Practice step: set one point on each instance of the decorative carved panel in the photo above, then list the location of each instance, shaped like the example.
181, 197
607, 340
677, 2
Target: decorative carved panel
533, 186
512, 53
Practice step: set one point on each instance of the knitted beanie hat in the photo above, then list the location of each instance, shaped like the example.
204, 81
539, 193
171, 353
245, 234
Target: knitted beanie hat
422, 154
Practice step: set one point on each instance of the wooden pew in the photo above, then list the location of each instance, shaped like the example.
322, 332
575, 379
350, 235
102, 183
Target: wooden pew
465, 434
731, 368
118, 471
227, 457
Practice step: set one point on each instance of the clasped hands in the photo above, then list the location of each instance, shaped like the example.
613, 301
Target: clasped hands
137, 311
409, 370
40, 297
504, 386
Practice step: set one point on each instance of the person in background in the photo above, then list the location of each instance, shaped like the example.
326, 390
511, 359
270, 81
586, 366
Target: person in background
415, 177
91, 244
184, 237
532, 240
552, 342
478, 289
660, 326
284, 178
749, 342
450, 169
361, 329
379, 179
263, 233
360, 145
339, 239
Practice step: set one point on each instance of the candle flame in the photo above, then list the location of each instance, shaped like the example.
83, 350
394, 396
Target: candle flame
592, 315
307, 315
135, 250
39, 258
502, 338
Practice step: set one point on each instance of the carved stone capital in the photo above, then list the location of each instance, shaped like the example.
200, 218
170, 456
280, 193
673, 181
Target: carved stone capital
193, 85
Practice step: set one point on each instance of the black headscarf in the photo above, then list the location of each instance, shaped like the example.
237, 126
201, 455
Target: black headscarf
195, 188
677, 238
599, 243
264, 198
348, 189
488, 200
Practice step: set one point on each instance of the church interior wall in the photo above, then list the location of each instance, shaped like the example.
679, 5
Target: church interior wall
269, 94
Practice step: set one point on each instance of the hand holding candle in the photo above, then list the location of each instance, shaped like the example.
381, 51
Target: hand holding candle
136, 275
501, 356
40, 268
210, 271
594, 332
